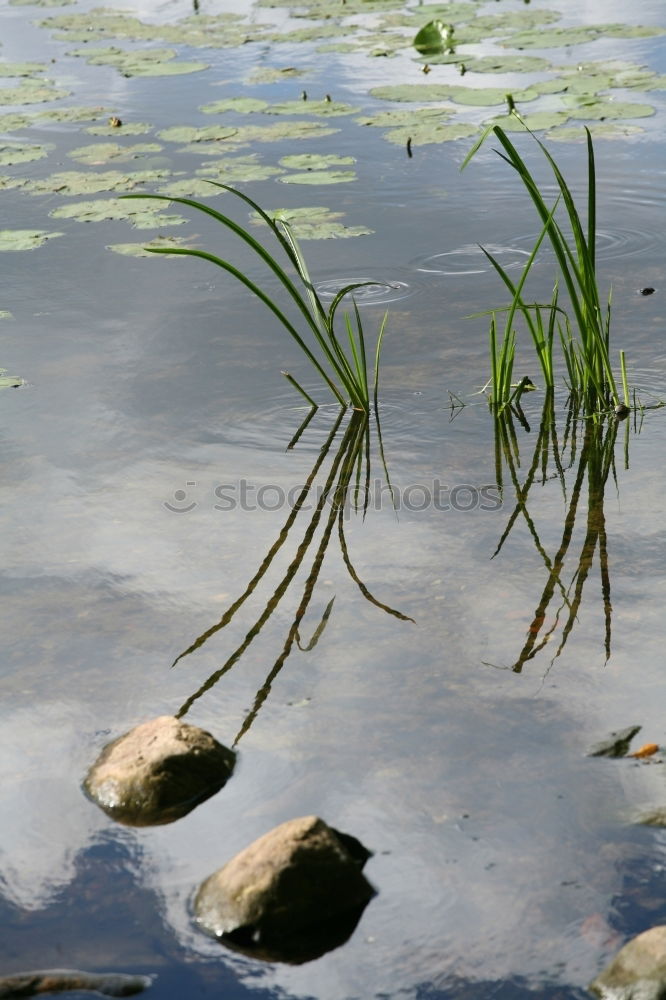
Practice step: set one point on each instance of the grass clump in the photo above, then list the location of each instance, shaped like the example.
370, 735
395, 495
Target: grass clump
585, 341
341, 364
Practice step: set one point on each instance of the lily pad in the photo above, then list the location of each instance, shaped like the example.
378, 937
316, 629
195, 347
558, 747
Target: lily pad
601, 110
432, 37
424, 134
546, 38
10, 381
238, 168
21, 69
320, 177
104, 152
76, 182
15, 122
141, 214
24, 239
139, 62
510, 64
73, 114
141, 249
270, 74
411, 118
41, 3
315, 222
315, 161
412, 92
191, 187
5, 314
31, 91
602, 130
192, 134
537, 121
16, 153
127, 128
326, 109
242, 105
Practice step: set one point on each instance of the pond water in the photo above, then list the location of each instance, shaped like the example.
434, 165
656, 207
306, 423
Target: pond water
147, 474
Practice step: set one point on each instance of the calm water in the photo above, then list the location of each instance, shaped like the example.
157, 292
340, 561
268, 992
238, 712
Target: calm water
506, 860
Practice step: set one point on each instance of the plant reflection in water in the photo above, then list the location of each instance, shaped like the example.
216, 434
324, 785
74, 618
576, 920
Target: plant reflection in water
346, 486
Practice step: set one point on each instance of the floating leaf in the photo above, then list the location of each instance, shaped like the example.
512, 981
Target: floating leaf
536, 121
142, 249
141, 62
75, 182
31, 91
24, 239
105, 152
326, 109
603, 130
423, 134
320, 177
316, 223
10, 381
21, 69
230, 169
269, 74
17, 153
431, 38
142, 215
127, 128
315, 161
242, 105
192, 187
508, 64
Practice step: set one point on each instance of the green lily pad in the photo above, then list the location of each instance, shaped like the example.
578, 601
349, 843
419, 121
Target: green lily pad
73, 114
315, 161
127, 128
556, 37
484, 97
324, 108
138, 62
105, 152
15, 122
242, 105
537, 121
515, 20
424, 134
320, 177
601, 109
24, 239
21, 69
41, 3
448, 12
9, 155
412, 118
602, 130
432, 37
8, 183
10, 381
192, 134
31, 91
238, 168
416, 92
5, 314
270, 74
76, 182
141, 249
141, 214
315, 223
510, 64
191, 187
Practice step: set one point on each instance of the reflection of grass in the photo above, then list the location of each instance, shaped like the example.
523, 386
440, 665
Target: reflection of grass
343, 369
587, 448
585, 354
347, 479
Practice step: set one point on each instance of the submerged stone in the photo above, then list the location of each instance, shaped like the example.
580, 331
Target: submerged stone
158, 772
292, 895
638, 971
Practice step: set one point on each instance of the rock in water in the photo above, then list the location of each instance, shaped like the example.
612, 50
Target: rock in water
158, 772
291, 896
30, 984
638, 971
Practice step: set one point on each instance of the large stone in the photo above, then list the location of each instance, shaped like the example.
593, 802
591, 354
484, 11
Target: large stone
290, 896
158, 772
638, 971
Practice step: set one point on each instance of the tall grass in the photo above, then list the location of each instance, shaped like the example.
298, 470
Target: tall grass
587, 353
341, 364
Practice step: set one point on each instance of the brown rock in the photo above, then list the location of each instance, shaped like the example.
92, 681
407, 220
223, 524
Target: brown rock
638, 971
292, 895
158, 772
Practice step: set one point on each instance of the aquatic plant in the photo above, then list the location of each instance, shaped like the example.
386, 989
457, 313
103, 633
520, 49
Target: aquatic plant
343, 370
586, 354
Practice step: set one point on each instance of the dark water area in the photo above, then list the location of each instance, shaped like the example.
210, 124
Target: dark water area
146, 475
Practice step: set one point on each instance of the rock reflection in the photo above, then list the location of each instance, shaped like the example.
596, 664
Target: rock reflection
346, 486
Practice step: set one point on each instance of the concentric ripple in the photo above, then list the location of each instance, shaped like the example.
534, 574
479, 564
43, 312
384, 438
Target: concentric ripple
469, 259
381, 290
